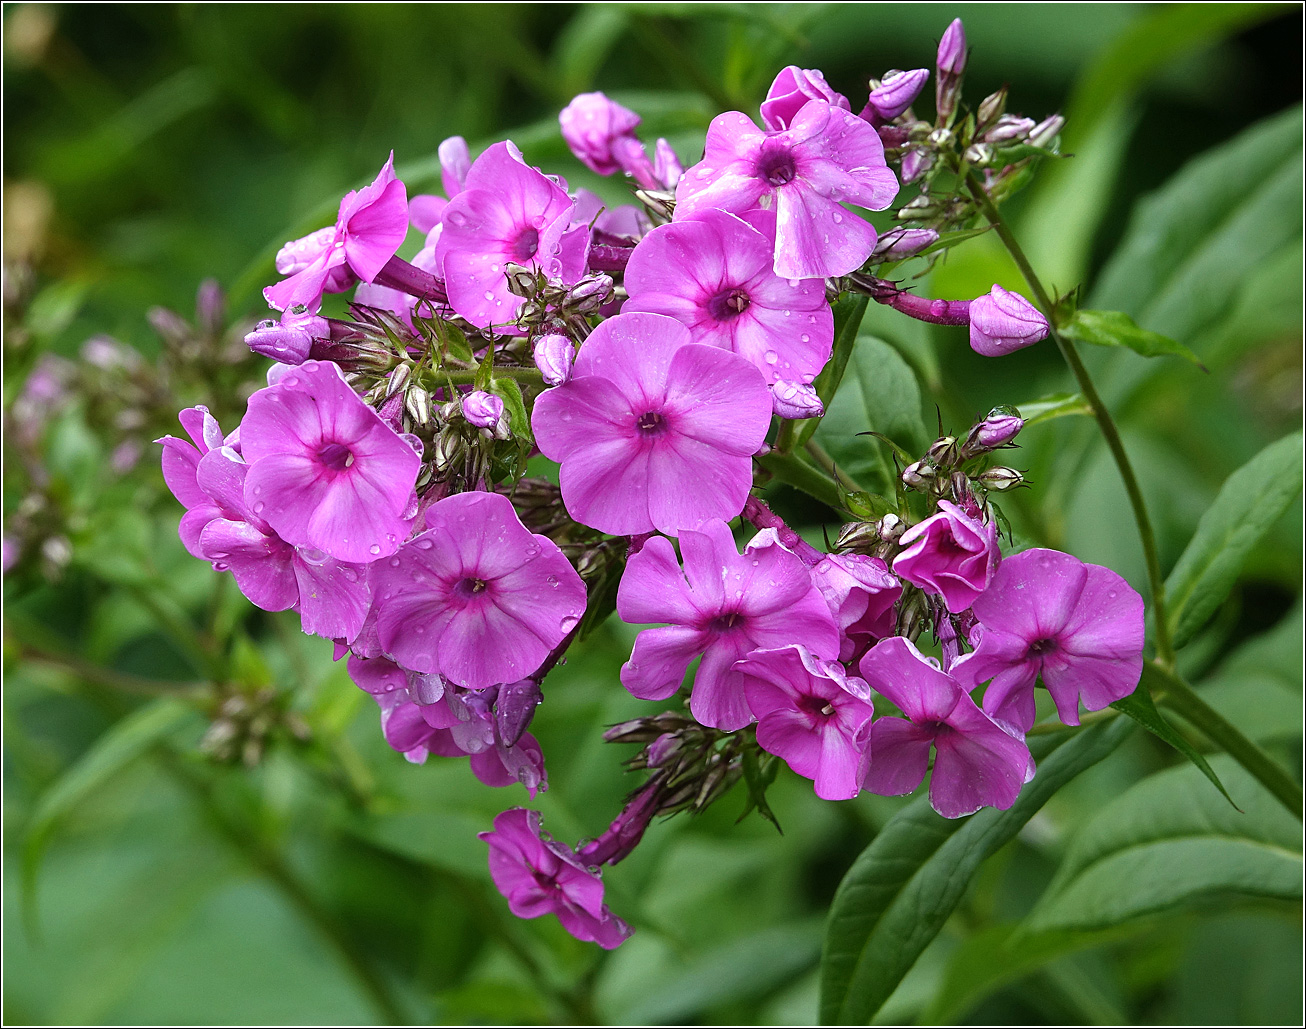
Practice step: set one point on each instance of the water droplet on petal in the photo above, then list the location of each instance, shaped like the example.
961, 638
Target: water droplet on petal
374, 549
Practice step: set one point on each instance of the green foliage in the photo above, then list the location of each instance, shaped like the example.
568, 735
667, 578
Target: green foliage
1117, 329
1251, 501
1170, 841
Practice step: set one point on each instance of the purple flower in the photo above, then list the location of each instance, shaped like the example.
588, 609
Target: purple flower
591, 124
826, 158
509, 213
893, 95
540, 876
554, 356
951, 554
1048, 614
485, 411
811, 714
477, 597
976, 762
370, 226
723, 606
861, 593
325, 471
714, 275
1002, 322
793, 88
180, 468
646, 413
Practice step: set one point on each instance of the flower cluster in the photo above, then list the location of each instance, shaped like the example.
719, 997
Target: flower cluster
652, 352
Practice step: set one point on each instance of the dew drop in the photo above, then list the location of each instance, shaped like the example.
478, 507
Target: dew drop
424, 544
394, 562
838, 218
489, 295
805, 338
374, 549
259, 505
568, 623
771, 357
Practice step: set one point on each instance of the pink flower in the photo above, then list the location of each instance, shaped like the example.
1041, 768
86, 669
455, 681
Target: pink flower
1002, 322
723, 606
508, 213
325, 471
591, 124
811, 714
540, 876
976, 762
646, 413
951, 554
793, 88
477, 597
1048, 614
180, 466
370, 227
861, 593
825, 158
714, 275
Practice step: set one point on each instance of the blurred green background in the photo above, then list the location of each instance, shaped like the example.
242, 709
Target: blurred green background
324, 879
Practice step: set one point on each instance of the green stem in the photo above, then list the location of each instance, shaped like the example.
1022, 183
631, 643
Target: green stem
794, 471
1184, 701
822, 457
1164, 648
463, 377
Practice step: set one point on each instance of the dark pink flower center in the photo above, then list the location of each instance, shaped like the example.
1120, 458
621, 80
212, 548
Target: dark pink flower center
726, 621
729, 303
526, 244
1040, 648
468, 588
336, 456
814, 706
777, 167
651, 423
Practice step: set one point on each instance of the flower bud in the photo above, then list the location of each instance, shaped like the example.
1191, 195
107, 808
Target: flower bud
1000, 478
449, 449
915, 163
894, 94
795, 400
514, 708
287, 344
485, 411
1010, 128
917, 475
662, 749
941, 451
1000, 427
991, 108
1046, 131
857, 536
667, 168
591, 293
522, 281
554, 354
979, 154
951, 64
899, 244
890, 528
1002, 322
632, 158
591, 124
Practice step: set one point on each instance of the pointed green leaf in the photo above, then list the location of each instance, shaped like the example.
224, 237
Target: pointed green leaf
906, 884
1251, 500
1167, 841
1055, 405
1117, 329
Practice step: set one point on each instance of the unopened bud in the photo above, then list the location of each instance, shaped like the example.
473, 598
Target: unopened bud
941, 451
991, 108
916, 163
667, 168
554, 354
661, 750
486, 411
522, 282
917, 475
890, 527
591, 293
951, 65
998, 428
210, 305
899, 244
979, 154
56, 552
1046, 131
1010, 128
449, 450
170, 326
894, 94
918, 207
417, 402
857, 536
795, 400
1000, 478
1002, 322
514, 708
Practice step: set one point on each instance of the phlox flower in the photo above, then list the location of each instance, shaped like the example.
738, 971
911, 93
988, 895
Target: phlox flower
791, 90
861, 592
1048, 614
370, 226
722, 605
507, 213
477, 597
180, 466
825, 158
977, 763
591, 124
326, 472
714, 275
951, 553
653, 431
811, 714
539, 876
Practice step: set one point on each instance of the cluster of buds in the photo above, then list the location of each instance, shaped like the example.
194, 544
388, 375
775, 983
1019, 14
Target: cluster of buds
950, 467
555, 305
245, 722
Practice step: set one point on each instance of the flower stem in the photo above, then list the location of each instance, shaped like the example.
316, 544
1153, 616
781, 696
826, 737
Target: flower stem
1185, 702
794, 471
1164, 648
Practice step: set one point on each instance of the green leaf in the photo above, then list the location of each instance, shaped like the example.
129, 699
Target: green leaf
1259, 686
1139, 706
1117, 329
906, 884
1169, 840
1055, 405
519, 421
120, 745
879, 394
1251, 500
